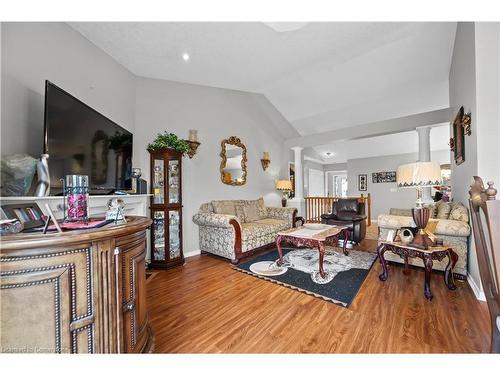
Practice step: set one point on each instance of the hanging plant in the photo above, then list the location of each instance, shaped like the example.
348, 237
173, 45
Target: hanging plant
169, 140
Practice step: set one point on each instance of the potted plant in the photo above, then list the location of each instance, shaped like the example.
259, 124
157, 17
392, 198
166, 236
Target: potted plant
169, 140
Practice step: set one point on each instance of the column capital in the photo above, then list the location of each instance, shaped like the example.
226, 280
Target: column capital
297, 148
423, 128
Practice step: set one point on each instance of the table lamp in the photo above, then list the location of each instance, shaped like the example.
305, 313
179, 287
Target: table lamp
285, 186
419, 175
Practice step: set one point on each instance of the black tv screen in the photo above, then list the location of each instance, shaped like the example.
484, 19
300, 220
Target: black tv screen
79, 140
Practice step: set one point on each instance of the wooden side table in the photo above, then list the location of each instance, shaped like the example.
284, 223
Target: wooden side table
435, 252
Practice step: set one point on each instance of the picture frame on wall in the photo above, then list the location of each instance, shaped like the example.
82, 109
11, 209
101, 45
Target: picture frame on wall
383, 177
362, 182
458, 140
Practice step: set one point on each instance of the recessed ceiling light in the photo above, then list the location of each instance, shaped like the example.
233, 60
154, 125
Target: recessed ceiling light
282, 27
329, 153
185, 56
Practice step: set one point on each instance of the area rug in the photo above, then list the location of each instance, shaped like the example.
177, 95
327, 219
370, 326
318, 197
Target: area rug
300, 271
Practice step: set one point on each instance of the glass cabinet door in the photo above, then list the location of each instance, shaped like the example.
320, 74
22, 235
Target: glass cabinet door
158, 181
173, 181
174, 234
159, 232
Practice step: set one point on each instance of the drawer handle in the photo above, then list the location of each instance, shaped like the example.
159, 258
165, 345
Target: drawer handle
129, 306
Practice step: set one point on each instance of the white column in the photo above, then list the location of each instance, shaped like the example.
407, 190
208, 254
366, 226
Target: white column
299, 179
424, 154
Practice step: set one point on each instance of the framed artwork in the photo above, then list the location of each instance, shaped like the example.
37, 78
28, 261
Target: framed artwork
27, 213
461, 125
362, 182
382, 177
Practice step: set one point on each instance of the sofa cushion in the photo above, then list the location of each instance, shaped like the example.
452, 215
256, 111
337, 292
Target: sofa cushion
394, 222
238, 206
347, 205
251, 212
263, 227
400, 211
258, 208
349, 216
443, 210
225, 207
459, 212
452, 228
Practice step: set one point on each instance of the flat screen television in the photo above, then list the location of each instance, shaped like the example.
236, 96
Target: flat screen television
79, 140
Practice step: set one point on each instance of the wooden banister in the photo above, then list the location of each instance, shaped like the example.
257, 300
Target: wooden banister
317, 206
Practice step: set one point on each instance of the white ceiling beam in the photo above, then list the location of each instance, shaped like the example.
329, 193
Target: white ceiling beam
374, 129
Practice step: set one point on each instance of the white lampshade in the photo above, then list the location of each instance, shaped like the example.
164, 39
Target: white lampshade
419, 174
285, 185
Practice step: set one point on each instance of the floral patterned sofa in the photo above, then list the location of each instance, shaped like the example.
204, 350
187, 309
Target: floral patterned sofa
449, 222
235, 229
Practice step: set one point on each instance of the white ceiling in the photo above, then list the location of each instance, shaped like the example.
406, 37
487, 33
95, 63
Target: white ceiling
392, 144
322, 76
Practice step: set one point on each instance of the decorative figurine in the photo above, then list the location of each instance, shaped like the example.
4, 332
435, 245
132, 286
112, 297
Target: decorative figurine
115, 210
42, 170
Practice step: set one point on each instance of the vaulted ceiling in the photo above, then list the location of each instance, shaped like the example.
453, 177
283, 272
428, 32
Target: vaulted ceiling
321, 76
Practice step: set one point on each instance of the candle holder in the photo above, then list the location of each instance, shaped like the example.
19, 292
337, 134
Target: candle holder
193, 146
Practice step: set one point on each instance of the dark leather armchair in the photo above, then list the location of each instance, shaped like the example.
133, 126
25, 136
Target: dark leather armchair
348, 212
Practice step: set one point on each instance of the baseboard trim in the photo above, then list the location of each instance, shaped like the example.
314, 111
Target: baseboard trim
478, 292
192, 253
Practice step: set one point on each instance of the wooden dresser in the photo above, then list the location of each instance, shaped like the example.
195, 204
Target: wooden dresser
76, 292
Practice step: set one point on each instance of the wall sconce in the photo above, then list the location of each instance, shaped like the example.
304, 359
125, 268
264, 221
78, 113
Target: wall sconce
266, 161
193, 143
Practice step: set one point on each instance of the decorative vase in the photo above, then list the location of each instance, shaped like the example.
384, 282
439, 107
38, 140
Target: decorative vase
421, 218
77, 196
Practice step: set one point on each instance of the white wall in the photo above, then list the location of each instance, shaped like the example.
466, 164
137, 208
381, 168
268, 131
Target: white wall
311, 168
487, 38
316, 183
34, 52
332, 170
475, 84
217, 114
463, 93
386, 195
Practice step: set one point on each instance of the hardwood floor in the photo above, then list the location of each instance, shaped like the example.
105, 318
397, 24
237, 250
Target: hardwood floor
207, 307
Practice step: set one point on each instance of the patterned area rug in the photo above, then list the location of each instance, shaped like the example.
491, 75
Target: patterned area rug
344, 274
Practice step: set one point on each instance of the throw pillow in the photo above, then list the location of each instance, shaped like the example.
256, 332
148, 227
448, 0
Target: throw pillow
238, 206
459, 212
251, 213
261, 208
224, 207
443, 210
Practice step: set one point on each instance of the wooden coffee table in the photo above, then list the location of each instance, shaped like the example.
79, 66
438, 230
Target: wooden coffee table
327, 237
434, 252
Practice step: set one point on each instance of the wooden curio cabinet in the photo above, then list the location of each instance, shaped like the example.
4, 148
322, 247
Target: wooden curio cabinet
166, 208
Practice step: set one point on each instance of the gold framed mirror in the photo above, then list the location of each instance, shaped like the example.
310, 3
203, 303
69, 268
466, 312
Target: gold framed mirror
233, 166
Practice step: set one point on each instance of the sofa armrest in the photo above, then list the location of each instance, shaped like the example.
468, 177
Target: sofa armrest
215, 220
394, 222
282, 213
455, 228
